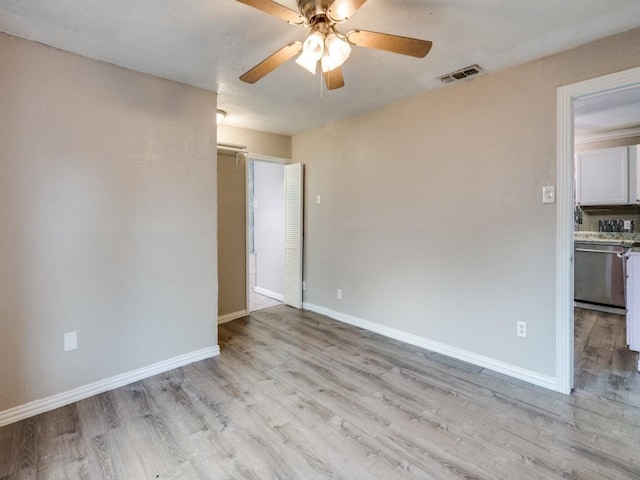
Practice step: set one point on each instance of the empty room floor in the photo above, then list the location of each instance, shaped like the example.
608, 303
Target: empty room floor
604, 365
298, 395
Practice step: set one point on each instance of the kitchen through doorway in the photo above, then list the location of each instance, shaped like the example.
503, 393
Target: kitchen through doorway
606, 227
266, 233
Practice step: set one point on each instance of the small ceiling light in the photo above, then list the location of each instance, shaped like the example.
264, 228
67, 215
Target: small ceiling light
336, 53
314, 45
308, 62
312, 50
220, 114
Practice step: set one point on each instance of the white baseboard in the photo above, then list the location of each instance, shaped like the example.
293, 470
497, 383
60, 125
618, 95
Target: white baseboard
269, 293
232, 316
600, 308
37, 407
457, 353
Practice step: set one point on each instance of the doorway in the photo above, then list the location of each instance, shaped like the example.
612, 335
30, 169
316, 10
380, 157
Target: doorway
265, 231
565, 321
234, 222
606, 126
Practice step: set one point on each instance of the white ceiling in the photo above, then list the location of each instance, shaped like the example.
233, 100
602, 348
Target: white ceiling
607, 112
210, 43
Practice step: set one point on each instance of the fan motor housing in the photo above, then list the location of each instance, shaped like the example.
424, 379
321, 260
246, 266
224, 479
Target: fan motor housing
312, 9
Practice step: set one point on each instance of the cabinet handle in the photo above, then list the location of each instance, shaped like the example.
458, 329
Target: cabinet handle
594, 251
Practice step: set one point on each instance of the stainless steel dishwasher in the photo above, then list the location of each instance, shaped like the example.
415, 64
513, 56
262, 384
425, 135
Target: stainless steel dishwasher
599, 274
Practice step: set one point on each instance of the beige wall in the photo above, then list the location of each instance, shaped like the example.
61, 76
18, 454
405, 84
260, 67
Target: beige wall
108, 208
431, 219
232, 227
256, 142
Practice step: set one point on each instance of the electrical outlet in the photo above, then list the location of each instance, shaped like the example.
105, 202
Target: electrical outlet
304, 285
317, 199
70, 341
522, 329
339, 294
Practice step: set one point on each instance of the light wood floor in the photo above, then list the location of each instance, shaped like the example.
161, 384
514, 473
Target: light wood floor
604, 365
296, 395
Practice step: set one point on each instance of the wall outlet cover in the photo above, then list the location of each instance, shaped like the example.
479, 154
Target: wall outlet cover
70, 341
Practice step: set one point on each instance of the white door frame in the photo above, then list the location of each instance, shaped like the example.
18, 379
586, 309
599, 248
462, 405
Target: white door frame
564, 232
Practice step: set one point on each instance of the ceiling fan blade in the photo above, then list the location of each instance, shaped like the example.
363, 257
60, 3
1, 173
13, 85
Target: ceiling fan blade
276, 10
271, 63
341, 10
390, 43
334, 79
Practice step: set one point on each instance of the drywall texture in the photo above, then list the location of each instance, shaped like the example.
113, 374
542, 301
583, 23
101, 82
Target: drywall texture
108, 208
268, 188
260, 143
431, 219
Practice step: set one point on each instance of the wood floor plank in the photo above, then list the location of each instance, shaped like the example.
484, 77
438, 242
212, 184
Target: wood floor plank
18, 447
98, 415
132, 402
110, 458
30, 473
64, 458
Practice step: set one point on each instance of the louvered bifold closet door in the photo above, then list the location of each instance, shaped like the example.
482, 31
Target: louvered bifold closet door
293, 235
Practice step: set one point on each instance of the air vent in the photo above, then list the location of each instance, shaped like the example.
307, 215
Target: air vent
461, 74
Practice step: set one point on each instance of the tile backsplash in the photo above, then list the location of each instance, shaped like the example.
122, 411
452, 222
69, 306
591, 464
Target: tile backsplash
596, 219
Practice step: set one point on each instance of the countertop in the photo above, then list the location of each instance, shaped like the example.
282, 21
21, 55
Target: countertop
625, 239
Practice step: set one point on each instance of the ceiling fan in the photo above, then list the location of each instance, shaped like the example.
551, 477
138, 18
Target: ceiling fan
325, 44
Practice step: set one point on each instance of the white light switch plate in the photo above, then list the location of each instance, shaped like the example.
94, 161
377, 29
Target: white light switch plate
549, 194
317, 199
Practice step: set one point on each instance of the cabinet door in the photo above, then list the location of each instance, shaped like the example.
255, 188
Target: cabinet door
602, 177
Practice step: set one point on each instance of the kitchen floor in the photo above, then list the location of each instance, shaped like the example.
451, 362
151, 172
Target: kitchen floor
604, 365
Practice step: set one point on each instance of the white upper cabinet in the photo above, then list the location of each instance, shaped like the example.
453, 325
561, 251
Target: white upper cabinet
607, 177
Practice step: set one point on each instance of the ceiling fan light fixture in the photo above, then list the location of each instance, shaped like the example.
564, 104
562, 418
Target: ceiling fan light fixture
324, 43
308, 62
313, 46
336, 53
